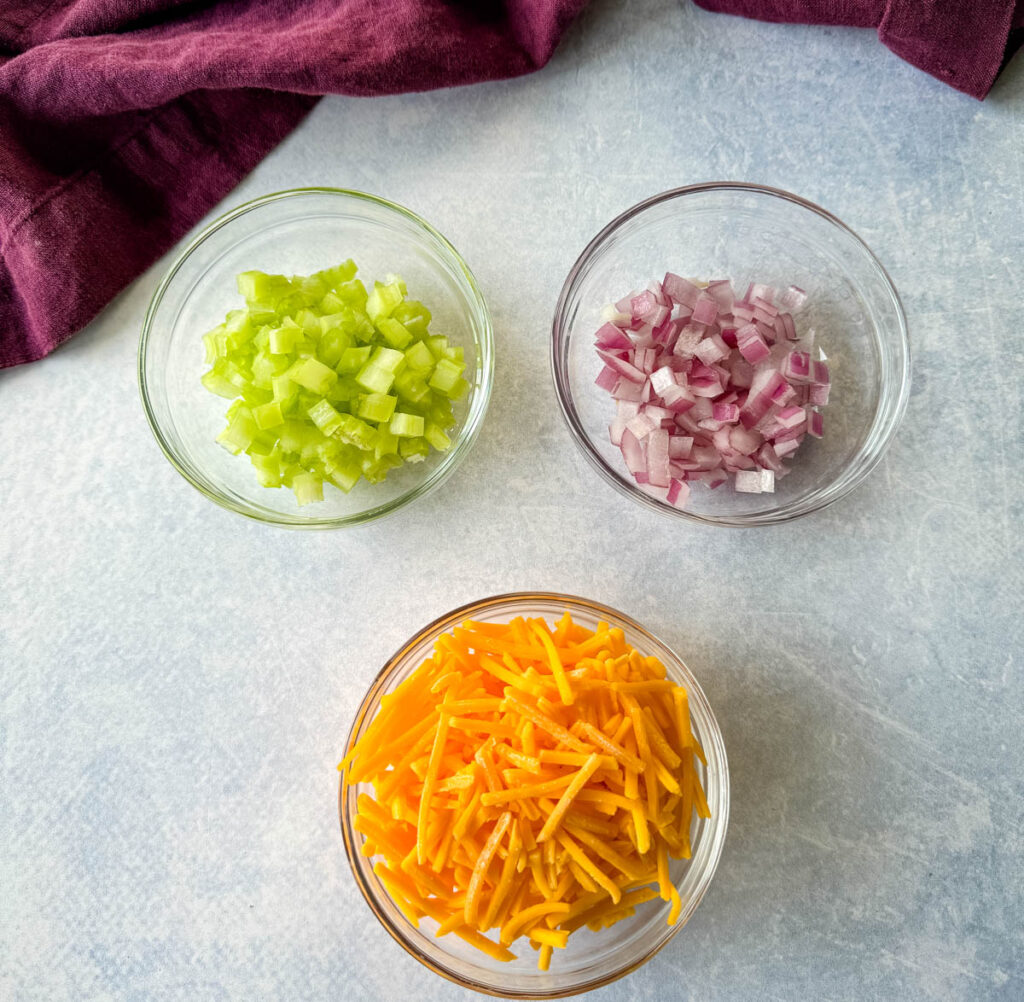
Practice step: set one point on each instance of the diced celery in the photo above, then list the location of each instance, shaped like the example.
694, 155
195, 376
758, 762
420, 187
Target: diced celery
309, 406
377, 407
406, 425
344, 476
216, 383
414, 450
332, 344
240, 432
414, 316
309, 322
353, 293
268, 415
411, 387
419, 359
325, 417
383, 299
436, 437
394, 333
313, 375
437, 345
446, 374
308, 488
268, 469
375, 378
282, 340
332, 303
388, 359
353, 359
356, 432
440, 413
386, 443
257, 287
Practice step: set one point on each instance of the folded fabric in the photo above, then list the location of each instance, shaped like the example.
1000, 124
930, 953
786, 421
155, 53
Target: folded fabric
964, 43
123, 121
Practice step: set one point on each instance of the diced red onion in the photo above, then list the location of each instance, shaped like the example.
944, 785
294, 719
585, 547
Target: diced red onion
708, 387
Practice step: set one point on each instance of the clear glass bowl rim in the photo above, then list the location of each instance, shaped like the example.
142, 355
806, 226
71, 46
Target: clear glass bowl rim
467, 433
893, 398
714, 746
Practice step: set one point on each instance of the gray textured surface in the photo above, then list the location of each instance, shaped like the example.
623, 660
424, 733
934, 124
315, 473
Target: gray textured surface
176, 683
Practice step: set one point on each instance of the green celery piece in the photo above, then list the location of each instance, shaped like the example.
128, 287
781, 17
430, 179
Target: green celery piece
210, 345
352, 431
376, 470
436, 437
256, 397
263, 444
446, 373
331, 303
459, 390
455, 354
392, 279
375, 378
440, 413
406, 425
268, 415
309, 322
261, 314
264, 369
419, 359
282, 340
339, 321
325, 417
313, 287
216, 383
268, 469
339, 274
393, 332
386, 443
344, 392
411, 387
332, 344
294, 435
262, 339
240, 432
353, 293
437, 344
388, 359
414, 316
344, 476
383, 299
308, 488
285, 391
377, 407
313, 375
258, 287
414, 450
353, 359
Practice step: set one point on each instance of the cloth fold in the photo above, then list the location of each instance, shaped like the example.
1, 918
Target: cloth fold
122, 122
963, 44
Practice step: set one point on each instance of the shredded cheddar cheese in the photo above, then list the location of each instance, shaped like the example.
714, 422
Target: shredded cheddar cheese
528, 780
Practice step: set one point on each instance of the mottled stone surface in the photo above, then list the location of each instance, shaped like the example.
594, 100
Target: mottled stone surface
176, 683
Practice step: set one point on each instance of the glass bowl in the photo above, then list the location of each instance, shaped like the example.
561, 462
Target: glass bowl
750, 234
591, 959
299, 232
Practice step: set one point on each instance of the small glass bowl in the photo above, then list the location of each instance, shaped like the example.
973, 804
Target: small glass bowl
747, 233
591, 959
299, 232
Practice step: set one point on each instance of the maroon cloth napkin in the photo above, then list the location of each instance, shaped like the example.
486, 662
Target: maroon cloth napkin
964, 43
123, 121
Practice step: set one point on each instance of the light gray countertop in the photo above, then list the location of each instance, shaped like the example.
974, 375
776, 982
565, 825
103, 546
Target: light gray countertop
176, 683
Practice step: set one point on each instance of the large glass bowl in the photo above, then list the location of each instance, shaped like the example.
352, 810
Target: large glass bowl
299, 232
591, 959
750, 234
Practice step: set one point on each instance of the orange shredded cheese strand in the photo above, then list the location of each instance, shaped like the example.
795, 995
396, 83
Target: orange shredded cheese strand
529, 781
